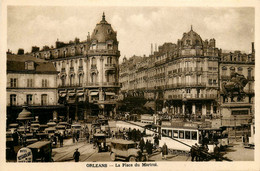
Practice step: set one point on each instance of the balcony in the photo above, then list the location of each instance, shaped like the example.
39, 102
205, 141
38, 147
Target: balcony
224, 77
103, 52
94, 66
71, 69
110, 66
63, 70
80, 68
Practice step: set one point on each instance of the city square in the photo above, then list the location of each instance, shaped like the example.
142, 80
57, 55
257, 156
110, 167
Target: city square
83, 101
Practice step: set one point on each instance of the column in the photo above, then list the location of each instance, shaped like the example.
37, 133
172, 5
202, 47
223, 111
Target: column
193, 108
211, 108
183, 109
204, 111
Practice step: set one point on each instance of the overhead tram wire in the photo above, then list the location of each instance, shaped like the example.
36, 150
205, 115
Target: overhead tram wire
207, 153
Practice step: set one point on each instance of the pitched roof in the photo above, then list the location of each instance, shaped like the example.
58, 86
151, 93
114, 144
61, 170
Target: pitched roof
16, 63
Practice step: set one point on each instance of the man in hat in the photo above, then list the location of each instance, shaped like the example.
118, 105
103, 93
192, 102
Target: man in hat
76, 155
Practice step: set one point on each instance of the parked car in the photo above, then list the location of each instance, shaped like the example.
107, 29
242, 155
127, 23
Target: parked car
127, 150
41, 151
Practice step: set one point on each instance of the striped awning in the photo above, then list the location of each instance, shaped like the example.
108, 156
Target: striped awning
94, 93
110, 93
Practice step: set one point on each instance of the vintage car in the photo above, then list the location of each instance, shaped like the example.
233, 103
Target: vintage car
41, 151
126, 150
99, 140
35, 127
13, 127
61, 129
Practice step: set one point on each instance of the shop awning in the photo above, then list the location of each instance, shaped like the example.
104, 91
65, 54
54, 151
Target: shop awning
110, 93
80, 93
63, 94
150, 104
71, 93
94, 93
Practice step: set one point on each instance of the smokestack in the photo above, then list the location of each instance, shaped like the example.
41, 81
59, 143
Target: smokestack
151, 49
155, 47
253, 47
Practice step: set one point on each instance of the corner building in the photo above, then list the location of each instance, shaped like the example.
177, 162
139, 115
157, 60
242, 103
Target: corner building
88, 81
186, 78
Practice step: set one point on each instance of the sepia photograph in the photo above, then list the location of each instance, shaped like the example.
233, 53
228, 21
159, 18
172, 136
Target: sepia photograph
129, 86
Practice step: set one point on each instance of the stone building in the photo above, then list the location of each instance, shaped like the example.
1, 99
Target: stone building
31, 82
88, 81
185, 78
237, 101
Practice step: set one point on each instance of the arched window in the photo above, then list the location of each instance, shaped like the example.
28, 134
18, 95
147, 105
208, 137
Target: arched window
93, 61
93, 77
80, 79
71, 80
224, 70
232, 70
63, 80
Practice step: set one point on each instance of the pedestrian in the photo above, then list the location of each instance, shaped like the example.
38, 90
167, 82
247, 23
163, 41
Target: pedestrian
61, 140
217, 153
193, 152
141, 144
77, 138
76, 155
164, 152
197, 152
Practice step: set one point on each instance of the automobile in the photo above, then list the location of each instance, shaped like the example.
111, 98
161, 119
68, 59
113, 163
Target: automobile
35, 127
126, 150
61, 129
50, 131
21, 129
51, 124
41, 151
42, 127
13, 127
100, 141
9, 145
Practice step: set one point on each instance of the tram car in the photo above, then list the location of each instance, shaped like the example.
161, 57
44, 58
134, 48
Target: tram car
180, 137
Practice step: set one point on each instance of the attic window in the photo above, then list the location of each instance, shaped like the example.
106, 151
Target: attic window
96, 31
108, 31
188, 42
29, 65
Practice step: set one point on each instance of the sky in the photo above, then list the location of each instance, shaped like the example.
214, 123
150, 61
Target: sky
137, 27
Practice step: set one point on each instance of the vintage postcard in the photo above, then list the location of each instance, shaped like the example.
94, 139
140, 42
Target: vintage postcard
112, 85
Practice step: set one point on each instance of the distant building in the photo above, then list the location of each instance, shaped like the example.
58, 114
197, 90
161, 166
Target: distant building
88, 79
31, 82
186, 78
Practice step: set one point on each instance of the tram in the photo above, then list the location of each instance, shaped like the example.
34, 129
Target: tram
182, 136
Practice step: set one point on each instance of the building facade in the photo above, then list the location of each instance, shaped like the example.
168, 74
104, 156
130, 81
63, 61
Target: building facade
88, 79
31, 82
186, 78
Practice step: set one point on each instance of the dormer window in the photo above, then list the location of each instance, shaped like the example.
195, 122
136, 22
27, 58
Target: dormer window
29, 65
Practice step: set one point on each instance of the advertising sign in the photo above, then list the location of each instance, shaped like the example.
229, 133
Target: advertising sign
24, 155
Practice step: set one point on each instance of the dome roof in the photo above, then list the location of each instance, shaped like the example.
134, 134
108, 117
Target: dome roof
103, 31
191, 39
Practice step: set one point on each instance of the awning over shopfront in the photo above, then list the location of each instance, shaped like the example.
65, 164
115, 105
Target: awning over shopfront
150, 104
80, 93
110, 93
71, 93
94, 93
62, 93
